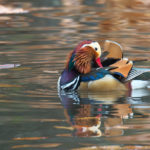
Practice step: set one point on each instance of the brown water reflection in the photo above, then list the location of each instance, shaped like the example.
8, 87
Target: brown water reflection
86, 115
38, 35
114, 121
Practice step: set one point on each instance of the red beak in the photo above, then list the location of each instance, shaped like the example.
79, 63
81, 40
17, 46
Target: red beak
98, 61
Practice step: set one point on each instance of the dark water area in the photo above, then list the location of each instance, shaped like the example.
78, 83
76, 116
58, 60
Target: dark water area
35, 37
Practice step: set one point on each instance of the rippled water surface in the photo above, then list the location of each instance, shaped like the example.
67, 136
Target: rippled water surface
35, 37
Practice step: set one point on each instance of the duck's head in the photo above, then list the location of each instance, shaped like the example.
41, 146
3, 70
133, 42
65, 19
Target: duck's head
86, 53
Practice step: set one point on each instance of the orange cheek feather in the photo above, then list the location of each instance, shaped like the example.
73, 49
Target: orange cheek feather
83, 59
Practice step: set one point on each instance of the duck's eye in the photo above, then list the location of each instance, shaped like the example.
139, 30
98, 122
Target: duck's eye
96, 48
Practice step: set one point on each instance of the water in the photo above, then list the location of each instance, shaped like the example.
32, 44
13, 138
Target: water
37, 35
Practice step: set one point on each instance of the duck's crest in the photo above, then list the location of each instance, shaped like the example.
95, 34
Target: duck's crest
81, 44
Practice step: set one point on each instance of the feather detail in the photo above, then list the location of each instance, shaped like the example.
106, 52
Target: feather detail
70, 58
83, 59
124, 67
81, 44
135, 72
114, 49
69, 62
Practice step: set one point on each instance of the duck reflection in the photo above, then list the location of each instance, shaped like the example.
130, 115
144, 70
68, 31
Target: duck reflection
96, 114
82, 114
100, 114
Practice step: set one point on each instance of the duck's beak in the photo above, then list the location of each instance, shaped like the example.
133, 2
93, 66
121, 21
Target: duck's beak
98, 61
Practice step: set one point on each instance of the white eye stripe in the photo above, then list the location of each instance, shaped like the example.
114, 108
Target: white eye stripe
94, 45
85, 45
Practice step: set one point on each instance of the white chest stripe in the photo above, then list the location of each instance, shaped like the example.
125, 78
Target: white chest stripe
72, 83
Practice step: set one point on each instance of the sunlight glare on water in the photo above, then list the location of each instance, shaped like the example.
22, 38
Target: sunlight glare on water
35, 38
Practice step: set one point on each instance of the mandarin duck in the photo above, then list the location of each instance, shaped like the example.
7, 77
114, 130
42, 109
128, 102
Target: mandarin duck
87, 68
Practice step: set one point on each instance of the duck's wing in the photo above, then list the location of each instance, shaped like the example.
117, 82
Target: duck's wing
95, 74
112, 53
113, 57
136, 73
114, 49
122, 69
125, 71
109, 61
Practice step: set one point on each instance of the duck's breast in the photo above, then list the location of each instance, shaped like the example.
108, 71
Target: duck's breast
107, 83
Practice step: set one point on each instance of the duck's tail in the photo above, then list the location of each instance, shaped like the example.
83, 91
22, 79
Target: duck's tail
138, 73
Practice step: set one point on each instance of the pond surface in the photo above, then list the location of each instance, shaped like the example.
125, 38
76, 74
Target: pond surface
35, 37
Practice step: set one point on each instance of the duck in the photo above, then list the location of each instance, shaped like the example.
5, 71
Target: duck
89, 69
